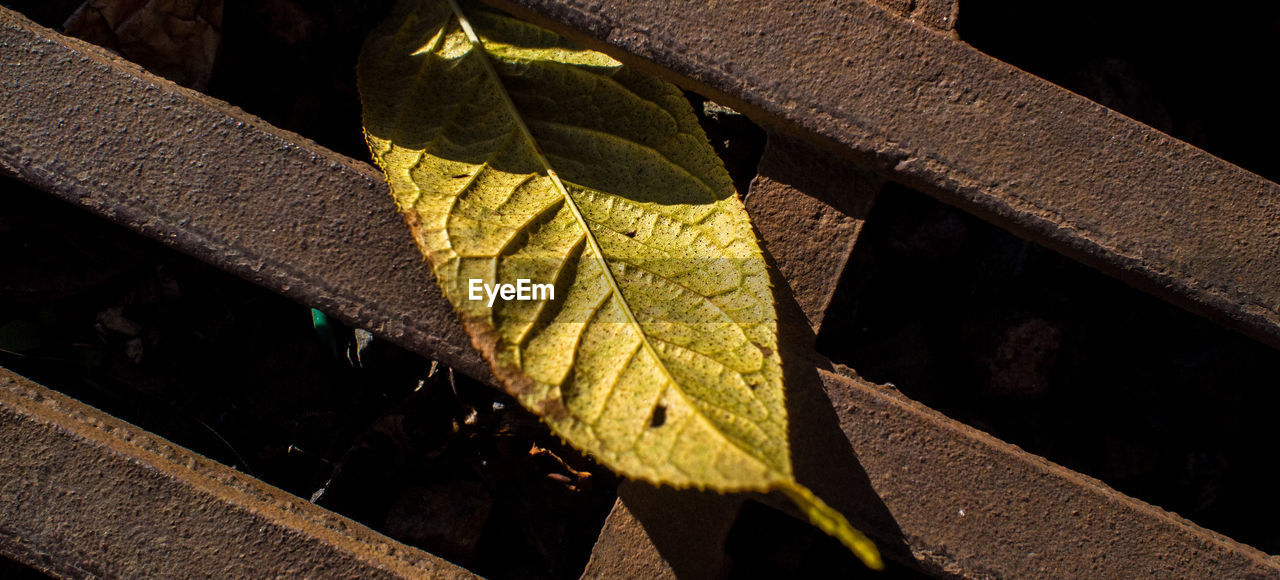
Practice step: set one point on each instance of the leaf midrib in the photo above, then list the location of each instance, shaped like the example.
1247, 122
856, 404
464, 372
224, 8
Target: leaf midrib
560, 186
478, 46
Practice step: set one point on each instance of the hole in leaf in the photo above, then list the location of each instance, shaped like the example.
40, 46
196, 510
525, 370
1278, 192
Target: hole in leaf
659, 416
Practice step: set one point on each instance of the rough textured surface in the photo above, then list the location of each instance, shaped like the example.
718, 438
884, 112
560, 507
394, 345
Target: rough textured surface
935, 494
968, 502
918, 464
677, 534
214, 182
945, 497
972, 131
948, 499
625, 549
809, 208
132, 505
939, 14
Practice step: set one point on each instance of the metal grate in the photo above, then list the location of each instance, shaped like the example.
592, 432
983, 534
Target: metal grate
938, 495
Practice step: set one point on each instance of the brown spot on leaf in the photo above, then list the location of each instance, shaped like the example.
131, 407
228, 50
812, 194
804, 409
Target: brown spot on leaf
768, 352
629, 234
553, 408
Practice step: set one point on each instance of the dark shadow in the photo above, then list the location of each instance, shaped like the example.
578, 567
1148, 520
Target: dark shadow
1200, 74
688, 526
47, 13
1069, 364
608, 130
14, 570
239, 374
821, 455
293, 63
767, 543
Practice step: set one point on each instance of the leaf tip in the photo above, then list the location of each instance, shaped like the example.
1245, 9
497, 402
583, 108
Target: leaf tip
827, 519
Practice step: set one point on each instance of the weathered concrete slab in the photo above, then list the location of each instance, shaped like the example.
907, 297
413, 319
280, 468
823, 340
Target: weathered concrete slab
219, 184
84, 495
940, 116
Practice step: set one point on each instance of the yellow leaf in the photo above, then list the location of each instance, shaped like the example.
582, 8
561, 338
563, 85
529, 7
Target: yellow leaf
647, 336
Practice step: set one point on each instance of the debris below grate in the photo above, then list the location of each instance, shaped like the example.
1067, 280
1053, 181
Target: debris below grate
1062, 361
237, 373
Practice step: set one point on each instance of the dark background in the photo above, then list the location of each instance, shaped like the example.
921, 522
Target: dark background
992, 330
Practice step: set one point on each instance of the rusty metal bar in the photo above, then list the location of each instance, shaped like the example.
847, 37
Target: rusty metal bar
937, 495
230, 189
949, 500
85, 495
270, 206
967, 501
938, 115
809, 208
